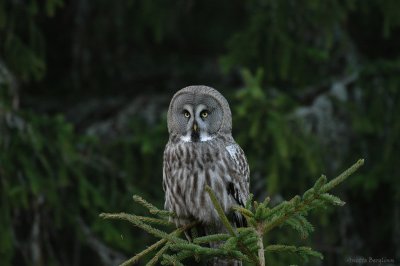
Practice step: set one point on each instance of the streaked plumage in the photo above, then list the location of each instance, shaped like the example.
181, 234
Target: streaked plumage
201, 151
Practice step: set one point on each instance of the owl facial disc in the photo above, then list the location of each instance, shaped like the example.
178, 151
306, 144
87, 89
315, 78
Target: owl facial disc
198, 114
196, 130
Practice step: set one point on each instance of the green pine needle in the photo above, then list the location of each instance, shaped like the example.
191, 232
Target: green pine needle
137, 222
320, 182
336, 181
152, 209
220, 211
171, 260
331, 199
302, 251
245, 212
158, 255
211, 238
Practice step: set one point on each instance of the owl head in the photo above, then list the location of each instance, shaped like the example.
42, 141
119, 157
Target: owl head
198, 113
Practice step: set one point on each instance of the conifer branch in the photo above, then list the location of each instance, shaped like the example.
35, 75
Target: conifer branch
153, 247
158, 255
214, 252
171, 260
245, 212
152, 220
134, 220
227, 224
211, 238
310, 196
334, 182
260, 243
302, 251
152, 209
180, 256
137, 257
220, 211
161, 252
244, 243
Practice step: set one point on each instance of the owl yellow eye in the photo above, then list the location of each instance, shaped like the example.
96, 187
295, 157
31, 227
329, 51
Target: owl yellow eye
186, 114
204, 114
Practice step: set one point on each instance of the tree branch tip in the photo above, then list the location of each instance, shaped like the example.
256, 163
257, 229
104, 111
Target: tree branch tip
117, 216
135, 197
105, 215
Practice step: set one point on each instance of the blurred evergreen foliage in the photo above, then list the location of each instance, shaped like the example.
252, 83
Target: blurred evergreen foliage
313, 85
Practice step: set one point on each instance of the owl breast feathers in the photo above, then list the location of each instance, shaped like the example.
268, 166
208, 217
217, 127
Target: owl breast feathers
202, 152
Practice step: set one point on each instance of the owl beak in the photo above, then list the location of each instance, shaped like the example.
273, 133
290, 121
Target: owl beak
195, 127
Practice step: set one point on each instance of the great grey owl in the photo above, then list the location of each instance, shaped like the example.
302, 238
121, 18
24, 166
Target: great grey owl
201, 151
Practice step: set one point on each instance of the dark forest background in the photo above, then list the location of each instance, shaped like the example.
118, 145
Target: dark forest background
85, 85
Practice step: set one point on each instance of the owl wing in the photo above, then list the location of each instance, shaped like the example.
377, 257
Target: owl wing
166, 168
240, 174
168, 182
